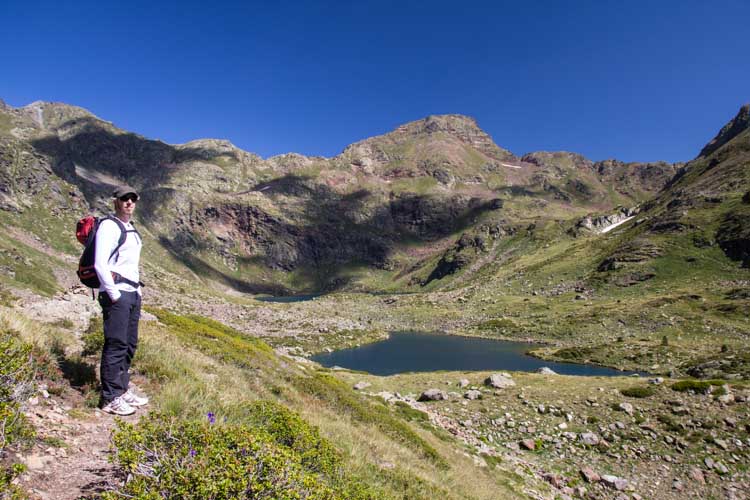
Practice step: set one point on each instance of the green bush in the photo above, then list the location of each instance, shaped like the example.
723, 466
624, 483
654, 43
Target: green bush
168, 458
93, 337
410, 413
289, 430
16, 386
697, 386
216, 339
639, 391
340, 397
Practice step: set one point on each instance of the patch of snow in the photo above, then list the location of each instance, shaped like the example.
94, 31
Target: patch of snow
509, 165
612, 226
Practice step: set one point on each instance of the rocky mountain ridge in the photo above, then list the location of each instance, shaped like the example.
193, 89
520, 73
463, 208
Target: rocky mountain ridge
237, 213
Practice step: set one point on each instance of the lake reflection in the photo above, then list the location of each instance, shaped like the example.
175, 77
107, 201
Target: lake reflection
423, 352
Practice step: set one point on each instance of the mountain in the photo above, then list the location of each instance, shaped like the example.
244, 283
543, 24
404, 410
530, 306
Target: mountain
430, 227
295, 220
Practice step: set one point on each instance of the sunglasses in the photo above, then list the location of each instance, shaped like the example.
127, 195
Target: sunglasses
129, 197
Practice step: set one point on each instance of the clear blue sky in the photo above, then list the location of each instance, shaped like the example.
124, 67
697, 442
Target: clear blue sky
634, 80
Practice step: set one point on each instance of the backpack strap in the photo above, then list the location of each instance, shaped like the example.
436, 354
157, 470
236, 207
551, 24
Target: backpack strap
123, 236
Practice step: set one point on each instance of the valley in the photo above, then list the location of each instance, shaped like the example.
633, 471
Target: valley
431, 227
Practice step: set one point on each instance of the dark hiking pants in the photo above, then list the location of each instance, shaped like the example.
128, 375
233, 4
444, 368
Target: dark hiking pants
120, 341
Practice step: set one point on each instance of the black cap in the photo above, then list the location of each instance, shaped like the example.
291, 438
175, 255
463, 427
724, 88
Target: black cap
121, 191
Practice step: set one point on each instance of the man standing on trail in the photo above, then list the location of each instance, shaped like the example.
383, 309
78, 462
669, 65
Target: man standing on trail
120, 299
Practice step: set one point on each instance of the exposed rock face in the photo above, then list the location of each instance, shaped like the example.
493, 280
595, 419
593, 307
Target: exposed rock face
601, 223
739, 124
634, 251
733, 235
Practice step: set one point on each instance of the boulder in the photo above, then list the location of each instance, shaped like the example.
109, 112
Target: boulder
433, 395
361, 385
589, 475
473, 394
500, 381
615, 482
697, 475
626, 407
528, 444
464, 382
589, 438
546, 371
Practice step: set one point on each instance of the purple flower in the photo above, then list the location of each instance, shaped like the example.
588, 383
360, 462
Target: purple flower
211, 417
193, 453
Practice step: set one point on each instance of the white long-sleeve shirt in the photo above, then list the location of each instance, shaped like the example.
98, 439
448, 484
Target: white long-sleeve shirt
125, 262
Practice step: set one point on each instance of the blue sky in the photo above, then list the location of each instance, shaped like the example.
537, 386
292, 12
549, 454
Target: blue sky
633, 80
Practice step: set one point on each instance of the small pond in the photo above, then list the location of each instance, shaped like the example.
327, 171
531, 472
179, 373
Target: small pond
424, 352
287, 298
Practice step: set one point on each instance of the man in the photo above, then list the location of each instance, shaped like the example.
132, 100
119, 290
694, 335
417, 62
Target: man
120, 299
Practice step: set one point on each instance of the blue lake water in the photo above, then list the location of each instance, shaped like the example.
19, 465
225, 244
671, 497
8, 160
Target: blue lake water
424, 352
287, 298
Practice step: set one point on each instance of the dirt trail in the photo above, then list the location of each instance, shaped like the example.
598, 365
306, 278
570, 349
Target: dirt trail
70, 459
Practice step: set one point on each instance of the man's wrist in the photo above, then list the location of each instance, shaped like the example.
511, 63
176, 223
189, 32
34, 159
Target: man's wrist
115, 296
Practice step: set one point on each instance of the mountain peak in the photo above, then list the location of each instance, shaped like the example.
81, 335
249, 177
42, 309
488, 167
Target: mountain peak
737, 125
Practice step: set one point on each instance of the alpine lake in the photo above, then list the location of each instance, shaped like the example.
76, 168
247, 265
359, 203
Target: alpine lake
408, 351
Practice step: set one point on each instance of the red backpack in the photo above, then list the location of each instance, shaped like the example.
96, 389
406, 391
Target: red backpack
86, 234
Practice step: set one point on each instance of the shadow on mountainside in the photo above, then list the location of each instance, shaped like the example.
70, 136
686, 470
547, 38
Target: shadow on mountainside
107, 157
327, 230
321, 230
202, 268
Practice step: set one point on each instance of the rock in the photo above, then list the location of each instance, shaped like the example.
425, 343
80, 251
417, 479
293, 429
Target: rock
726, 398
697, 475
680, 410
709, 462
34, 462
656, 380
721, 444
433, 395
677, 485
589, 475
541, 409
463, 383
528, 444
546, 371
499, 381
731, 422
361, 385
554, 480
626, 407
615, 482
473, 394
45, 394
589, 438
562, 426
721, 468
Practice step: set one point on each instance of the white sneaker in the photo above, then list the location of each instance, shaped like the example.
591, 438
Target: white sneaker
118, 406
133, 399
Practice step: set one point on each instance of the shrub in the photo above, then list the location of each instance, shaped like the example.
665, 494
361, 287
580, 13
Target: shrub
16, 386
168, 458
290, 430
216, 339
639, 391
93, 337
340, 397
410, 413
697, 386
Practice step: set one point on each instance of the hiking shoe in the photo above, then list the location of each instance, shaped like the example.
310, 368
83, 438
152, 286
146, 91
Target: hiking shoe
133, 399
118, 406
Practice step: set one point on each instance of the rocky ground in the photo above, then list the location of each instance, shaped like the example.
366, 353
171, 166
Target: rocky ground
583, 436
70, 458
